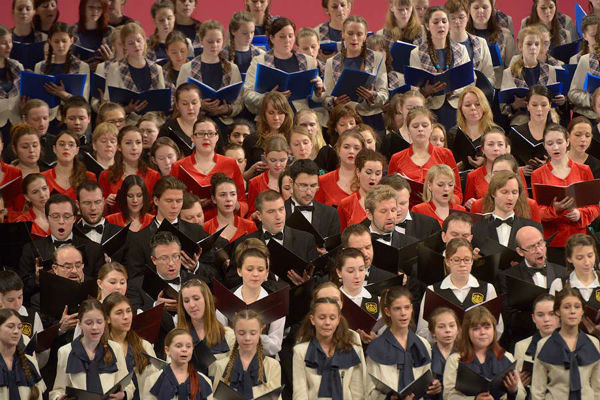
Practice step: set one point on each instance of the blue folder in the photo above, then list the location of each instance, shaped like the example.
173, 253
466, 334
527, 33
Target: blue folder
299, 83
399, 89
228, 93
508, 95
455, 78
329, 46
565, 75
591, 83
495, 53
32, 85
579, 15
564, 52
350, 80
261, 41
400, 52
97, 82
158, 99
28, 54
83, 53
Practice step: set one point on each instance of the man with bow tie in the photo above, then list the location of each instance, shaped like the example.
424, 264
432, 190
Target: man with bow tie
61, 212
534, 269
381, 207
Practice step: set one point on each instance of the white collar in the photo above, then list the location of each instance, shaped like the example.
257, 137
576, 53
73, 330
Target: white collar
54, 239
262, 294
95, 225
23, 312
447, 283
576, 283
503, 219
364, 293
160, 222
407, 218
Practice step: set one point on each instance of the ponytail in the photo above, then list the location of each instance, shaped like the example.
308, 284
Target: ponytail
35, 391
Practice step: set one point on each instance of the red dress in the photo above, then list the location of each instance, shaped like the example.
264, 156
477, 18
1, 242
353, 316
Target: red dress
402, 163
109, 187
13, 195
118, 219
35, 228
429, 209
350, 211
50, 175
329, 192
223, 164
477, 186
256, 185
554, 222
534, 210
243, 225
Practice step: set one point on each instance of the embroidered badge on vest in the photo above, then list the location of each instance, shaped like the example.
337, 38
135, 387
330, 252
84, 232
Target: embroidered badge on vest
597, 295
371, 307
27, 329
477, 298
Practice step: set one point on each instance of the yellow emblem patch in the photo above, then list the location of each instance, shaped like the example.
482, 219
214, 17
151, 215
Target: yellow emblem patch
477, 298
371, 307
27, 329
598, 295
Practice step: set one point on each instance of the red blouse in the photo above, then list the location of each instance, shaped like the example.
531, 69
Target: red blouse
223, 164
477, 186
13, 196
429, 209
35, 228
329, 192
108, 187
119, 220
243, 225
256, 185
350, 211
534, 210
50, 175
556, 222
402, 163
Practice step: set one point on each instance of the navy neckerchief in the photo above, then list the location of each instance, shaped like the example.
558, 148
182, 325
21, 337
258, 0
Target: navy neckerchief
329, 368
219, 348
387, 350
489, 369
130, 362
532, 348
166, 387
438, 362
15, 378
79, 362
243, 381
556, 352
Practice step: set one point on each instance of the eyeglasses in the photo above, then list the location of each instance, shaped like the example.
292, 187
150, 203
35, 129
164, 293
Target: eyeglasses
166, 259
458, 260
70, 267
304, 187
57, 216
541, 245
208, 135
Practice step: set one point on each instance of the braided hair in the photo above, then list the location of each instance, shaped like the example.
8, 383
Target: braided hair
267, 18
93, 304
235, 23
430, 50
555, 27
214, 25
193, 374
58, 27
363, 53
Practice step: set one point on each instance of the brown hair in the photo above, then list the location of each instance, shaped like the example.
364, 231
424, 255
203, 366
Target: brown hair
133, 28
474, 317
153, 40
415, 112
534, 19
340, 111
430, 49
517, 68
56, 28
17, 131
193, 375
107, 107
340, 259
90, 305
576, 240
388, 296
563, 294
108, 268
117, 169
280, 104
214, 25
235, 23
363, 53
102, 22
268, 195
454, 244
342, 337
78, 175
378, 194
498, 181
398, 100
413, 26
492, 26
251, 247
435, 315
364, 156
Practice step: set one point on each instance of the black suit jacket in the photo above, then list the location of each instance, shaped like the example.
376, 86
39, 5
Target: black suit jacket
519, 323
300, 243
325, 218
138, 250
485, 230
109, 231
93, 257
421, 226
378, 275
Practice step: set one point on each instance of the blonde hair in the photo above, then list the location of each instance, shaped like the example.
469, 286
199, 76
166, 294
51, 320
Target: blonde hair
318, 140
235, 23
133, 28
378, 194
487, 117
102, 129
214, 25
306, 32
413, 27
275, 143
517, 67
434, 172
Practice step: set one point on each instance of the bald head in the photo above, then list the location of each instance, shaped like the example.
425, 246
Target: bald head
68, 263
531, 246
528, 232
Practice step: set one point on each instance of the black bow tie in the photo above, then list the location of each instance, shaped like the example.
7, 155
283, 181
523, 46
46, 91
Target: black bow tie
532, 271
305, 208
402, 224
386, 236
497, 221
58, 243
268, 235
175, 281
85, 228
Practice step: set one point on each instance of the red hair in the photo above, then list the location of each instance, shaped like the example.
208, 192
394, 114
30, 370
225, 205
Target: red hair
474, 317
102, 22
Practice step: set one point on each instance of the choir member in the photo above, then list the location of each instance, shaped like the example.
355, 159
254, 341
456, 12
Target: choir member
133, 203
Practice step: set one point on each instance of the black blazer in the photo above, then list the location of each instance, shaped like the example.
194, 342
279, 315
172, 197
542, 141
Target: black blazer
518, 325
109, 231
421, 226
485, 230
93, 257
400, 240
325, 218
377, 275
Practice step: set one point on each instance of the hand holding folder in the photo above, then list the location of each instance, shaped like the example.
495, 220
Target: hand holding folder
227, 94
56, 292
350, 81
434, 300
147, 323
114, 243
193, 186
158, 99
454, 78
34, 86
584, 193
358, 318
298, 221
418, 387
298, 83
470, 383
400, 52
80, 394
225, 392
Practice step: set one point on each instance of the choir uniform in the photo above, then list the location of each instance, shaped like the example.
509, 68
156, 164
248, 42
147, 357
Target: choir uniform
109, 186
479, 53
526, 349
258, 184
244, 226
578, 97
163, 385
428, 209
559, 373
505, 40
14, 203
221, 350
351, 211
122, 75
403, 164
316, 376
246, 382
477, 186
556, 223
33, 37
91, 39
590, 293
9, 93
329, 191
50, 176
567, 32
140, 379
242, 58
534, 211
119, 219
14, 384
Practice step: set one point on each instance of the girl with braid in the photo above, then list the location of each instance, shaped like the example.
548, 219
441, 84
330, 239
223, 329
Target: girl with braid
240, 49
402, 23
355, 55
261, 12
438, 54
247, 370
212, 69
20, 377
91, 362
179, 379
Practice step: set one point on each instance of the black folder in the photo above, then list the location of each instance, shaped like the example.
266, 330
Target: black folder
521, 294
523, 149
392, 258
225, 392
434, 300
471, 383
114, 243
56, 292
378, 287
15, 235
188, 245
156, 362
91, 164
202, 357
300, 298
147, 323
80, 394
418, 387
154, 284
193, 186
298, 221
464, 147
358, 318
42, 341
430, 266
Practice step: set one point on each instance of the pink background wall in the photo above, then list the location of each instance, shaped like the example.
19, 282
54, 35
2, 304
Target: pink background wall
303, 12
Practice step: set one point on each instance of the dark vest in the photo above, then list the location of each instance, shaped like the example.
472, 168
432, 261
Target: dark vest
371, 306
28, 323
475, 296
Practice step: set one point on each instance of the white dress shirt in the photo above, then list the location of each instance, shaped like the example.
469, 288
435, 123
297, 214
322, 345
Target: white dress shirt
389, 243
93, 235
307, 214
538, 278
503, 230
277, 240
400, 229
586, 291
